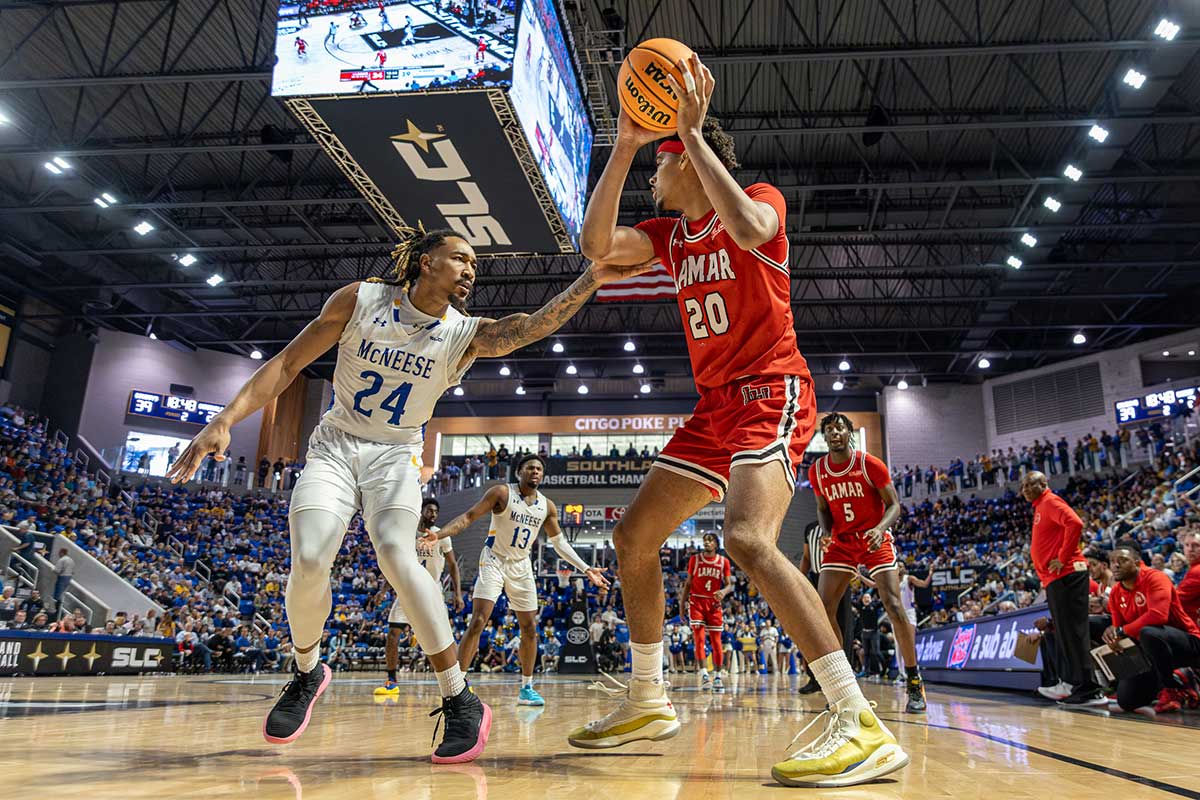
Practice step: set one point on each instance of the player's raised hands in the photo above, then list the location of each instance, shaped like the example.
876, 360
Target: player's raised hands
596, 576
694, 95
629, 132
213, 439
427, 541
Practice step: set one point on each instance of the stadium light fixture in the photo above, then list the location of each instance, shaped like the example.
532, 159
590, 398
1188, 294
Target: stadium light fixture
458, 391
582, 388
4, 120
143, 228
1079, 338
1014, 262
186, 260
984, 363
638, 369
902, 385
1073, 172
630, 346
256, 354
505, 371
100, 203
520, 389
1166, 353
645, 388
1134, 78
153, 337
558, 347
572, 369
1166, 30
1029, 240
1098, 133
844, 365
838, 386
108, 198
1191, 353
214, 280
62, 162
52, 167
1052, 204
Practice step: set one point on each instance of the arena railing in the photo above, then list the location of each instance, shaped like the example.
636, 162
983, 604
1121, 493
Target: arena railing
176, 545
1003, 565
70, 602
28, 573
203, 571
1136, 529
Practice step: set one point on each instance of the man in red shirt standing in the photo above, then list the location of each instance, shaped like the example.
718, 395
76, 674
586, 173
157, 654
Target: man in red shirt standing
1145, 607
709, 581
728, 254
1058, 558
1189, 587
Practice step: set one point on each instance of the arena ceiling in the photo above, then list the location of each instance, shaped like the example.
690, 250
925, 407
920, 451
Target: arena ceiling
901, 218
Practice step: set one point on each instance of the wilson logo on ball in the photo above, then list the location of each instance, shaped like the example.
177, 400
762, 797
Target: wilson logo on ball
645, 93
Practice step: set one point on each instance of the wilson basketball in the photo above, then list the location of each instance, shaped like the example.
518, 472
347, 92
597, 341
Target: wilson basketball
642, 84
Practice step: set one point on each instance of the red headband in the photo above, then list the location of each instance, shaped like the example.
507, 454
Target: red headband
670, 146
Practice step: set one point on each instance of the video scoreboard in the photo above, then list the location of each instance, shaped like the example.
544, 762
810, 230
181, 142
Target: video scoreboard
172, 407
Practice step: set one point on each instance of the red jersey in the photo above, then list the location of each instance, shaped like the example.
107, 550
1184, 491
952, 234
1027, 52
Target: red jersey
1152, 601
1189, 592
707, 574
852, 490
735, 303
1056, 533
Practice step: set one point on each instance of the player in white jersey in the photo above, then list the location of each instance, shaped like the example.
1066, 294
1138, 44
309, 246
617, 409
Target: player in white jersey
519, 512
433, 560
402, 342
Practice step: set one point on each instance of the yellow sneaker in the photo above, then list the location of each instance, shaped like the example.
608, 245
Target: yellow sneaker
854, 748
645, 712
388, 688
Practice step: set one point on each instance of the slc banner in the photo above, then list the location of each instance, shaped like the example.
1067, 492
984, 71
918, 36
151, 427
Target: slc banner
41, 653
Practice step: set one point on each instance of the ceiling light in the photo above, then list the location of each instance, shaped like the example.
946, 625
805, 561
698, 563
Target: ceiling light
630, 346
49, 165
505, 371
458, 391
1192, 353
1134, 78
838, 386
186, 260
256, 354
638, 369
1029, 240
1166, 353
844, 365
142, 228
153, 337
520, 389
100, 203
1098, 133
984, 363
582, 388
645, 388
109, 198
3, 120
1014, 262
572, 370
1166, 29
902, 385
558, 347
1079, 338
1073, 172
214, 279
1052, 204
62, 162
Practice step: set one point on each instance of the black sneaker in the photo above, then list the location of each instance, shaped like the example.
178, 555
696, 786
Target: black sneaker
812, 687
289, 718
1084, 697
916, 696
468, 723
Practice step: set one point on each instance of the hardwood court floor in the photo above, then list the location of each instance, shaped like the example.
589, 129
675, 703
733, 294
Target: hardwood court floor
174, 737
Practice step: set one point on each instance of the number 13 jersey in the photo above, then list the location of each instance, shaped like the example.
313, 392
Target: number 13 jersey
394, 362
735, 303
515, 529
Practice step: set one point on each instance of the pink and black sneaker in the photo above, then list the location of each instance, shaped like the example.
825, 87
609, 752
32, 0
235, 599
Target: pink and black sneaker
289, 718
468, 723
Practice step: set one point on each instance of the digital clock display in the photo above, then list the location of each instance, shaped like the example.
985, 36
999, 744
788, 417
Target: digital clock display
172, 407
1162, 403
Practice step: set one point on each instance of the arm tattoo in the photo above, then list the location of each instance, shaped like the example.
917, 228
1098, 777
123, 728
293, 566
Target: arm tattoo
503, 336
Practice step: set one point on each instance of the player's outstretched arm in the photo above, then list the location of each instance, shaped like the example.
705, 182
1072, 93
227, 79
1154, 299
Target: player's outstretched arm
564, 549
493, 501
601, 238
499, 337
269, 381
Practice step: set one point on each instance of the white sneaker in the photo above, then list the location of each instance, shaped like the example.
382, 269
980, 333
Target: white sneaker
1058, 691
645, 712
706, 681
855, 747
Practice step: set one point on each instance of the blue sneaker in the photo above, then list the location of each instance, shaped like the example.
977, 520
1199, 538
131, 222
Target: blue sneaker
529, 697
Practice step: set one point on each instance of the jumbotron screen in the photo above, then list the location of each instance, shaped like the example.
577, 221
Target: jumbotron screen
330, 47
549, 105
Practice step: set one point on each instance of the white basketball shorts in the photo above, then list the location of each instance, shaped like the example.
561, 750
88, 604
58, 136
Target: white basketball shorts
514, 578
397, 617
345, 474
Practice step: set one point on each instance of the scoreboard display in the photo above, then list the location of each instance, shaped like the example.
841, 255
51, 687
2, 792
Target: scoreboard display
1156, 405
172, 407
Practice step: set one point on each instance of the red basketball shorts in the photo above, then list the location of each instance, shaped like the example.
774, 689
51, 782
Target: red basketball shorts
705, 611
749, 421
848, 551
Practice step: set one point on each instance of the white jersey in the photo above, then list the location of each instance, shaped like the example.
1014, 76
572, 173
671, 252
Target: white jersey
393, 364
907, 593
434, 561
514, 530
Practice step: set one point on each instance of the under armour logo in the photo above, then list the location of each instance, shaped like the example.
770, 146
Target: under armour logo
381, 322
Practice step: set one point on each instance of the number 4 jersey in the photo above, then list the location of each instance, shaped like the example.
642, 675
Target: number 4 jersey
735, 303
394, 362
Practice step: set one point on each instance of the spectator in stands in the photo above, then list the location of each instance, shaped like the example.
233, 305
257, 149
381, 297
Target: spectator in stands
8, 603
40, 622
251, 655
64, 571
872, 608
19, 621
33, 604
28, 540
264, 467
1189, 587
1145, 607
239, 471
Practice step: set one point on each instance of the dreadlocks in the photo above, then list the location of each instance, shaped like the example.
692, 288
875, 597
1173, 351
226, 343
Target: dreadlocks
414, 243
833, 419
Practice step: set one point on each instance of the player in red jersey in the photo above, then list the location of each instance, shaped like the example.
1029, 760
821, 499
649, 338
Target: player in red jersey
728, 254
381, 58
301, 47
858, 504
710, 580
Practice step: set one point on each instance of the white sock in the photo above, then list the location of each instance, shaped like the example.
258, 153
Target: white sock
451, 681
836, 677
307, 662
647, 661
528, 681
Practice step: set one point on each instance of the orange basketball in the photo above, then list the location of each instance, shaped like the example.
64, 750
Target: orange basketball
642, 85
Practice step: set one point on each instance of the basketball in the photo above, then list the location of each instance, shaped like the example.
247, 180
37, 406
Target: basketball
642, 84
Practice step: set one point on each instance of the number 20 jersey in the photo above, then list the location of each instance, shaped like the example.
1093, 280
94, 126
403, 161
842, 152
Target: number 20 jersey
735, 303
394, 362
